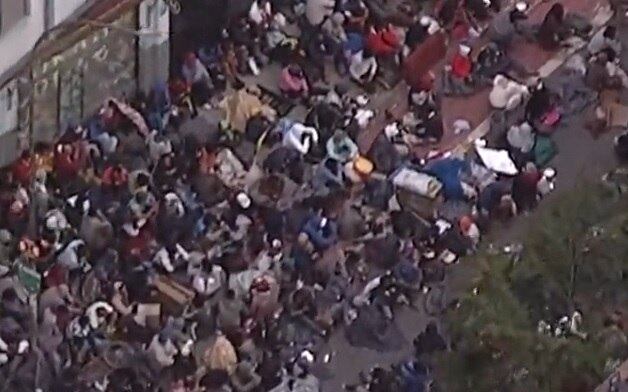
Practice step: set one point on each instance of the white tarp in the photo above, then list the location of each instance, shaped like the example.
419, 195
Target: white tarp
497, 160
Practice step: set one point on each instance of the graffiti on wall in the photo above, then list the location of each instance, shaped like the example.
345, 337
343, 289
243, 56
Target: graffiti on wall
72, 84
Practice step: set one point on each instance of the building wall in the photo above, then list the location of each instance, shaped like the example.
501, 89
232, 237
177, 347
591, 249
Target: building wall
75, 83
63, 8
18, 41
154, 48
15, 44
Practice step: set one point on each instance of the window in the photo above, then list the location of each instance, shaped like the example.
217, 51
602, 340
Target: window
11, 12
8, 107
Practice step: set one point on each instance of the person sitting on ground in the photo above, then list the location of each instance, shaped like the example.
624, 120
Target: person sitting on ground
336, 37
363, 67
606, 78
383, 41
279, 45
300, 137
357, 14
553, 30
317, 51
193, 71
605, 38
261, 14
316, 11
421, 103
293, 83
341, 148
321, 231
507, 24
541, 110
525, 187
506, 93
417, 33
458, 75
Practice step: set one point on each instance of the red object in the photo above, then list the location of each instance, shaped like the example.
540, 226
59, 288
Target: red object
461, 66
418, 65
56, 276
551, 118
178, 88
115, 176
22, 170
383, 43
460, 31
68, 163
137, 247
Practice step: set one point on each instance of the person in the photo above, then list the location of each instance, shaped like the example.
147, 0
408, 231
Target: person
299, 137
241, 105
341, 148
553, 30
605, 38
383, 41
193, 71
261, 14
525, 188
539, 103
417, 33
336, 40
292, 82
363, 67
458, 75
316, 11
321, 231
505, 26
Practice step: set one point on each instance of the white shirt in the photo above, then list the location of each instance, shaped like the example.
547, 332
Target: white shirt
260, 15
360, 67
295, 138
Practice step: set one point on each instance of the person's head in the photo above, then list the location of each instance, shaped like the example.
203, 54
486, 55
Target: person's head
190, 59
214, 379
338, 19
610, 32
607, 55
367, 54
295, 71
331, 165
238, 84
557, 11
9, 295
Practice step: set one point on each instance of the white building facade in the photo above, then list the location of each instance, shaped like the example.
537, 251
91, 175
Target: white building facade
86, 50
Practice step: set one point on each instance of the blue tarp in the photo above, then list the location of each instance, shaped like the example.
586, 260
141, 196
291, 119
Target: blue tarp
447, 171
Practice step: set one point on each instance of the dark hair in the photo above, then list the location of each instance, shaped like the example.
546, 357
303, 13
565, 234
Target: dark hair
237, 84
610, 54
557, 11
214, 379
610, 32
9, 294
142, 179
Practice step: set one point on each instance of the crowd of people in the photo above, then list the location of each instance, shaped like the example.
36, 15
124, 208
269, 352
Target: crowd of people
200, 237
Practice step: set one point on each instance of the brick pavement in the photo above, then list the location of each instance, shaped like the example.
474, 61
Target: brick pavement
476, 108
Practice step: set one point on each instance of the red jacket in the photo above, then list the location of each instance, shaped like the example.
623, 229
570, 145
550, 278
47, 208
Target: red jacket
423, 59
461, 66
22, 170
383, 43
68, 164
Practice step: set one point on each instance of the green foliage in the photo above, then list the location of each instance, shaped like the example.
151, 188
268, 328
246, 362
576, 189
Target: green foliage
576, 257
